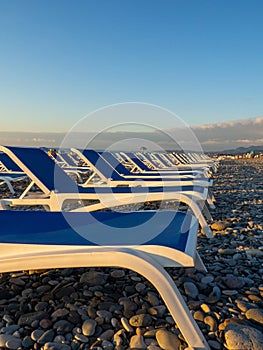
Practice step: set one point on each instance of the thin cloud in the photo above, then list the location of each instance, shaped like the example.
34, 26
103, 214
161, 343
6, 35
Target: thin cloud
233, 134
210, 142
236, 123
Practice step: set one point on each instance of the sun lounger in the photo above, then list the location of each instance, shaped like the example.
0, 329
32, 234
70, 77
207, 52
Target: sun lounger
183, 175
187, 161
144, 242
67, 163
111, 171
177, 164
203, 158
137, 165
195, 157
161, 160
164, 159
151, 161
55, 188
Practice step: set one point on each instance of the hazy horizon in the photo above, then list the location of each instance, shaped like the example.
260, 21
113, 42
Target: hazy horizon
212, 137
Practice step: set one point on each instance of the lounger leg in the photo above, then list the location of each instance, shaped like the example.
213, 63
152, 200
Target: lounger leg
212, 196
56, 202
46, 207
8, 183
132, 259
205, 210
199, 265
212, 205
4, 205
198, 214
207, 213
210, 199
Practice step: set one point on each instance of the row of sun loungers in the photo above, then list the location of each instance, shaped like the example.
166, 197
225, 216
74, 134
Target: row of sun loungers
74, 230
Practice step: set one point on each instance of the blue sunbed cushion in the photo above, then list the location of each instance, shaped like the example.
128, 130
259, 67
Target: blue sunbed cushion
165, 228
8, 163
138, 162
101, 164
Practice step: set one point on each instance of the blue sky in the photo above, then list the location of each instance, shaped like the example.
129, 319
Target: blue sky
61, 59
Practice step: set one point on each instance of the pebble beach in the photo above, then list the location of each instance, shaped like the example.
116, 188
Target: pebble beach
110, 308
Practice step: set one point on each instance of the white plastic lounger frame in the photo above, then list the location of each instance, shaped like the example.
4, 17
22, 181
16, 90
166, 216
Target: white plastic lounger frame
3, 168
132, 259
148, 261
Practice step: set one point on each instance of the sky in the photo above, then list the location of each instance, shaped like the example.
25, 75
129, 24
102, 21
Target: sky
62, 59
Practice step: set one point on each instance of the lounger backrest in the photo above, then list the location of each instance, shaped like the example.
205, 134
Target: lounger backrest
41, 169
183, 158
149, 159
114, 162
161, 160
59, 158
69, 160
178, 158
101, 165
63, 228
8, 163
172, 158
168, 159
137, 161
